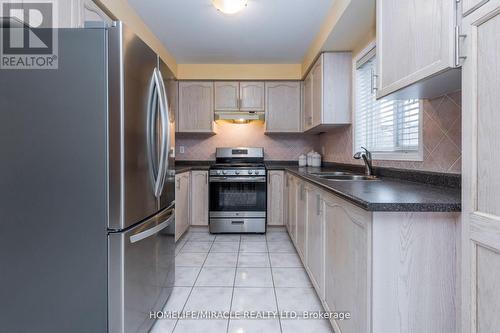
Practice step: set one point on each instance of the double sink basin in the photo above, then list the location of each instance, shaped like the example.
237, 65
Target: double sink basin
339, 176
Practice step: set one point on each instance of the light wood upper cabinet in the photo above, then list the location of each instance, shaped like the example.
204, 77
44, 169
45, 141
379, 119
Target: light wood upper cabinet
328, 92
283, 108
227, 95
315, 255
182, 199
199, 198
252, 96
308, 103
275, 197
196, 107
416, 48
481, 184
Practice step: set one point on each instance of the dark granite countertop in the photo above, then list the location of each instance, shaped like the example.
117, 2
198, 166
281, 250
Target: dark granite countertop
387, 194
185, 166
394, 192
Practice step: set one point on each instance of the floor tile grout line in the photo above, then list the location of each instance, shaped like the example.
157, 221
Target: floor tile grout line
234, 283
192, 287
274, 287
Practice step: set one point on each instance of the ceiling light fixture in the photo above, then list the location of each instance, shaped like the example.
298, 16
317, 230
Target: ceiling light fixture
229, 6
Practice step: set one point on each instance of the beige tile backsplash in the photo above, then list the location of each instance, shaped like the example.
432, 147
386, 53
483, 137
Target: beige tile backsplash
441, 137
442, 140
277, 147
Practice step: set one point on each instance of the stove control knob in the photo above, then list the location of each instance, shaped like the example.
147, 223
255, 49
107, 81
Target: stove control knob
237, 172
250, 172
219, 172
224, 172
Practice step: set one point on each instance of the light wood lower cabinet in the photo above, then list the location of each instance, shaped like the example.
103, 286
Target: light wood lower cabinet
182, 207
314, 234
199, 197
481, 184
275, 197
391, 271
300, 218
292, 206
347, 258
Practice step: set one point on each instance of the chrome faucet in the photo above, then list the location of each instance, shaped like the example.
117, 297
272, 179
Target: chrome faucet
367, 158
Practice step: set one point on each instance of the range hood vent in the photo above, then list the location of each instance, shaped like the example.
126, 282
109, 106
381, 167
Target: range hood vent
239, 116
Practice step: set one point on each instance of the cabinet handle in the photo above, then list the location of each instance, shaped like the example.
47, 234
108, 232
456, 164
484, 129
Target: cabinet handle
458, 36
373, 81
206, 178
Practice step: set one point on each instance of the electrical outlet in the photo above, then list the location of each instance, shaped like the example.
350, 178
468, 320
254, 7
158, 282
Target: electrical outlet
181, 149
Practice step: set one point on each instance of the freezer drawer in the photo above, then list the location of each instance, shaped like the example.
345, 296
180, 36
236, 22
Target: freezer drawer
141, 272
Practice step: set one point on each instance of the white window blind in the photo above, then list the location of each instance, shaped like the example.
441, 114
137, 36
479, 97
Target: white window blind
390, 129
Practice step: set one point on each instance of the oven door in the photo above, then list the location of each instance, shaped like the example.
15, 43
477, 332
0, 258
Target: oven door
238, 204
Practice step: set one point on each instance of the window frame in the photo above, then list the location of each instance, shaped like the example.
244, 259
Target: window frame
417, 155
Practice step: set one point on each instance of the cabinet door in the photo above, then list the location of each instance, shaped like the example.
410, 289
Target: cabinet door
283, 107
468, 6
301, 216
481, 187
315, 245
252, 96
308, 102
317, 92
275, 197
227, 96
196, 107
182, 187
347, 262
292, 207
199, 198
415, 40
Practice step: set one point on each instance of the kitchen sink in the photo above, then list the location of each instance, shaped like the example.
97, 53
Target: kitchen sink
344, 176
330, 174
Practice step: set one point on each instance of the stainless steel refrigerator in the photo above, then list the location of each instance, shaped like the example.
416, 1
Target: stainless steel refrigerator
87, 187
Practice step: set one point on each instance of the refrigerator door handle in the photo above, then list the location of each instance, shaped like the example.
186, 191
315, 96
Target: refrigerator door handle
164, 136
151, 132
152, 231
165, 127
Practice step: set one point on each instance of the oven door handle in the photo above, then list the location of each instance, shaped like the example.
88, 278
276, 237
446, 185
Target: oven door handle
237, 179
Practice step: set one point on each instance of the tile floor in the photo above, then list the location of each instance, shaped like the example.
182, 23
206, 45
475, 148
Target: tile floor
240, 273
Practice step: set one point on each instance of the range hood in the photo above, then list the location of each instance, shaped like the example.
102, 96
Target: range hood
239, 116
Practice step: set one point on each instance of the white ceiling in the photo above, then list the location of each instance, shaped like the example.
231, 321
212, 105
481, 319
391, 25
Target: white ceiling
267, 31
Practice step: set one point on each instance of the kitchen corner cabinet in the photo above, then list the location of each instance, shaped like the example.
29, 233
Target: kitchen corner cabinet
328, 92
199, 198
196, 107
416, 48
182, 206
393, 271
283, 107
275, 197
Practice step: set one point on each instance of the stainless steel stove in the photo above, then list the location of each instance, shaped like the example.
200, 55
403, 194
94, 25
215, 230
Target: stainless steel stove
238, 191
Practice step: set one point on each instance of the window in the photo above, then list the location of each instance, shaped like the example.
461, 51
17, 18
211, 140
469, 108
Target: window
390, 129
